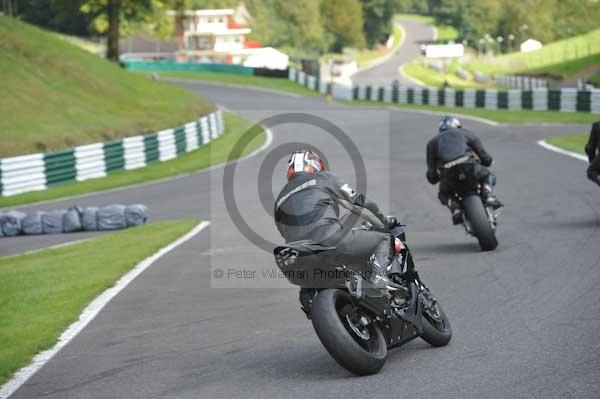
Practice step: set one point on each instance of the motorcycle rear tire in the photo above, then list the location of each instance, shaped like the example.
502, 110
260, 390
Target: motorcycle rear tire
337, 339
477, 216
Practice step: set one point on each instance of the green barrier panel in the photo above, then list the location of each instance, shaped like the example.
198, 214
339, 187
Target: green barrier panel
395, 94
58, 176
60, 167
503, 99
410, 96
459, 97
114, 156
179, 140
151, 148
355, 93
368, 92
584, 101
480, 98
441, 97
187, 66
425, 96
554, 100
380, 94
527, 99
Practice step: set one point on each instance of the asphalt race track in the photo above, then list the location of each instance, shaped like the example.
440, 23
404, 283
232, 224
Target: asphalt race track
525, 317
417, 33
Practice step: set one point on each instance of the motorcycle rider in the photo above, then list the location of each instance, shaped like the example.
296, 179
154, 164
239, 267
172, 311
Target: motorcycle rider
452, 146
308, 208
592, 149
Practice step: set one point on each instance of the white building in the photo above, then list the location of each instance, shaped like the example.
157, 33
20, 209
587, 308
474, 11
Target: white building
221, 36
210, 35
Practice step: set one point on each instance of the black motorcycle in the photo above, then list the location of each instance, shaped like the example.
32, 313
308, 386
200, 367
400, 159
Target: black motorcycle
479, 219
356, 322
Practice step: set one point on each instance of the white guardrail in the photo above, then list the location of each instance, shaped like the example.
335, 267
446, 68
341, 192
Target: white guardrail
39, 171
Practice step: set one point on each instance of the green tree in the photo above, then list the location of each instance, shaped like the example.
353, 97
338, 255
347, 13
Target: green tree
109, 15
60, 15
283, 23
343, 20
377, 15
8, 7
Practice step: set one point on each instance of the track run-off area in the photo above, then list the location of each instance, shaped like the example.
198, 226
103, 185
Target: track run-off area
525, 317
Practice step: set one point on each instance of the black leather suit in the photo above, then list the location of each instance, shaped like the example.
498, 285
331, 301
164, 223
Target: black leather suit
451, 145
308, 208
592, 149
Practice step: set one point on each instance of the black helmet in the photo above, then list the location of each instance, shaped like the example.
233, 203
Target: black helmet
448, 122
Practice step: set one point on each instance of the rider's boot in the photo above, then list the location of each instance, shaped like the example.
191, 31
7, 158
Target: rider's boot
490, 197
306, 297
381, 263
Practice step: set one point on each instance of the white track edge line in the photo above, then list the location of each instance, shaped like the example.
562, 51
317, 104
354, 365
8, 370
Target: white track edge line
550, 147
90, 312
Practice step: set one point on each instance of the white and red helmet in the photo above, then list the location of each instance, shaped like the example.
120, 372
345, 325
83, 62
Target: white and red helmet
304, 161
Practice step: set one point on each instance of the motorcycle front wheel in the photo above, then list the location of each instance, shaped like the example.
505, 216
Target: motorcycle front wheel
362, 350
436, 326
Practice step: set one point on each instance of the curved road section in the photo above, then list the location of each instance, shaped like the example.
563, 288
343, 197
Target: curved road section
525, 317
416, 33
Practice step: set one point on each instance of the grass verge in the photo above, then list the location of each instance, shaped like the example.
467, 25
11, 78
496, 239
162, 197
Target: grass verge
215, 152
563, 57
502, 116
570, 142
568, 68
54, 95
43, 292
595, 79
263, 82
430, 77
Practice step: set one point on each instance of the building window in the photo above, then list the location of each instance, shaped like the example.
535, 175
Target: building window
210, 20
203, 43
220, 20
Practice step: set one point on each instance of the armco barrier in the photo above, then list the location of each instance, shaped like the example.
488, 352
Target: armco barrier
40, 171
541, 99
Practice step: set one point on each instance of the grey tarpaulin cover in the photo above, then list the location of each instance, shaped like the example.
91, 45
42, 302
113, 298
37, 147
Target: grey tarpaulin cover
72, 219
11, 223
32, 223
111, 217
136, 214
52, 222
89, 218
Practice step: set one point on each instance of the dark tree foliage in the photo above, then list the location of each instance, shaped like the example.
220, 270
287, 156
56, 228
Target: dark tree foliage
545, 20
62, 16
377, 16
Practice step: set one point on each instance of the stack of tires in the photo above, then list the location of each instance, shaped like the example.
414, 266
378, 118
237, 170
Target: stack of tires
112, 217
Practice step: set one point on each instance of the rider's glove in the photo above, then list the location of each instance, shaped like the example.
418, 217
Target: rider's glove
433, 176
486, 161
